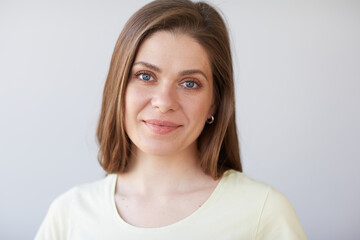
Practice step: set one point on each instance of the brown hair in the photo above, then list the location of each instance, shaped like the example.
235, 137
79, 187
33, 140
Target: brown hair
218, 143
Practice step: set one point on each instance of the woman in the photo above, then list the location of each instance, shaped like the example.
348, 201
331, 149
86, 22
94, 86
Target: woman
168, 142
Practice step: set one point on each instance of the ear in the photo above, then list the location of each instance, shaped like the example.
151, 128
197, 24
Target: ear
212, 110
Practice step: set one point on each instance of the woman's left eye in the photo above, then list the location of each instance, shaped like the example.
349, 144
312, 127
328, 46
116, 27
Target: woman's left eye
190, 84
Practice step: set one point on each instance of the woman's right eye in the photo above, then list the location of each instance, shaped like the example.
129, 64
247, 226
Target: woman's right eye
145, 76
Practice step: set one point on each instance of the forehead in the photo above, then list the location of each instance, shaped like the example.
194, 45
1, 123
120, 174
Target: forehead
176, 50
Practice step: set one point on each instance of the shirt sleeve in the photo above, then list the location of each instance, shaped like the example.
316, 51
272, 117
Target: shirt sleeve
57, 222
278, 219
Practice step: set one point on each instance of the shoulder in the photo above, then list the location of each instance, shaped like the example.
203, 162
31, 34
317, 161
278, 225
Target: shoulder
247, 195
278, 218
273, 215
65, 210
239, 183
88, 192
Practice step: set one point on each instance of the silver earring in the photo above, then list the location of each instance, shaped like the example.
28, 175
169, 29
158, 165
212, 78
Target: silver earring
210, 120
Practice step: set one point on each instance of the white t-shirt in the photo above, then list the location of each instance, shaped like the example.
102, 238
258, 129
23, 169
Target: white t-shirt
239, 208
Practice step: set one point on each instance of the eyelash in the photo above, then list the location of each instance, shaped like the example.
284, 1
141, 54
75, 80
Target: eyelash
138, 74
196, 83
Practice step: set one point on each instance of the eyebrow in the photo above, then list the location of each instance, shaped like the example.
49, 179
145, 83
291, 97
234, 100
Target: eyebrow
148, 65
193, 71
183, 73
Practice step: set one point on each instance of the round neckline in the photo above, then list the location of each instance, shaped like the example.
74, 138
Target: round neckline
215, 193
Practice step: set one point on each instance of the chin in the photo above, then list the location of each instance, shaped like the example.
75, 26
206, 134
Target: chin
160, 149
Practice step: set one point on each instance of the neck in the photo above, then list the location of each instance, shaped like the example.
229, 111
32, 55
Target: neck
149, 174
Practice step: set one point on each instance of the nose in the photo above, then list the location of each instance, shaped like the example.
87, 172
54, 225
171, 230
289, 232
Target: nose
165, 98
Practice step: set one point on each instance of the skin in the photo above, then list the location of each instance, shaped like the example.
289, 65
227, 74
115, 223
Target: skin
168, 98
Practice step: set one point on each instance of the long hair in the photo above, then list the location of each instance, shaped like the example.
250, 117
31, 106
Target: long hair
218, 142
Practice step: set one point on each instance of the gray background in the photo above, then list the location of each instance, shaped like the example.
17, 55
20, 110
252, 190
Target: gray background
297, 66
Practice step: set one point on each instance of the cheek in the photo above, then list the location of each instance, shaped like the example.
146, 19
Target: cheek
130, 106
198, 112
135, 100
132, 97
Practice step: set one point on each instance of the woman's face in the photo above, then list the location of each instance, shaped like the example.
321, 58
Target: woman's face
169, 95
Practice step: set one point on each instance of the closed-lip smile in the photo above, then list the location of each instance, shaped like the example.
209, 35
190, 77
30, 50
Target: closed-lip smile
160, 126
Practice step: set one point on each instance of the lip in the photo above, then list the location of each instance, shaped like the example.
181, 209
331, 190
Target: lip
161, 127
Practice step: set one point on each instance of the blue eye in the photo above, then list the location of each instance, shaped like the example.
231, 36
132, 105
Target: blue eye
190, 84
145, 76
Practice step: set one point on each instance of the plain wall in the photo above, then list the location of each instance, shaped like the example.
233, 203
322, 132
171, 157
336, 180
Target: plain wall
297, 70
